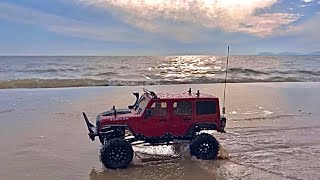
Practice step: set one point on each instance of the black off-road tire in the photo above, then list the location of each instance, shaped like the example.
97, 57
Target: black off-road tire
116, 153
204, 146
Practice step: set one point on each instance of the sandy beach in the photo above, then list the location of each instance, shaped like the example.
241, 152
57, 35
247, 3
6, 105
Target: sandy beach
273, 132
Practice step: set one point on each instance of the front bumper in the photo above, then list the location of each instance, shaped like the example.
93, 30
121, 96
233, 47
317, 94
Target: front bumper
91, 128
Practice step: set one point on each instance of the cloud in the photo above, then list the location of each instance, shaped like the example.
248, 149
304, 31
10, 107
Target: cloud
308, 31
68, 26
173, 17
267, 24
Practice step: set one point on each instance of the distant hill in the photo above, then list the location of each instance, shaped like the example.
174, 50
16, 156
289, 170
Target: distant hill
287, 54
315, 53
266, 54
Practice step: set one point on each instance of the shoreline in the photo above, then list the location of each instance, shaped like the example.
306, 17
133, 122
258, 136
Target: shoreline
160, 85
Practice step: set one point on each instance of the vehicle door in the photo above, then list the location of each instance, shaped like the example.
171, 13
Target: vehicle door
156, 123
182, 117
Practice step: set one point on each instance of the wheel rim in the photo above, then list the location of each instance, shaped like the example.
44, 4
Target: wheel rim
117, 156
205, 149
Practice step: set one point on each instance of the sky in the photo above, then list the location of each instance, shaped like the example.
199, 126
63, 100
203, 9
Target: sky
158, 27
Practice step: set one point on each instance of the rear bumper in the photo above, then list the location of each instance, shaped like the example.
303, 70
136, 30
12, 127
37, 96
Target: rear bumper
91, 128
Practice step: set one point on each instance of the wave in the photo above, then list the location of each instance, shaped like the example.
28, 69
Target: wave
247, 71
106, 74
273, 72
303, 72
49, 83
267, 117
55, 83
49, 70
6, 111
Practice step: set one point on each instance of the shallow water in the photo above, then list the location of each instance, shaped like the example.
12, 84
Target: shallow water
272, 133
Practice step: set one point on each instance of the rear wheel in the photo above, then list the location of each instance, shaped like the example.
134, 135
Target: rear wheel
116, 153
204, 146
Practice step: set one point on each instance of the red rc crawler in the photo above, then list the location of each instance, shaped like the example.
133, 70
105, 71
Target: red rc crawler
158, 119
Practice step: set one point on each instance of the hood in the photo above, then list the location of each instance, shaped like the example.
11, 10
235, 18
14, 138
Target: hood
117, 111
122, 115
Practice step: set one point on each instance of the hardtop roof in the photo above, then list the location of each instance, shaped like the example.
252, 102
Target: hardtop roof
182, 96
185, 95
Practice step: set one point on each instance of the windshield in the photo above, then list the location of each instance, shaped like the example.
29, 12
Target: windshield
142, 104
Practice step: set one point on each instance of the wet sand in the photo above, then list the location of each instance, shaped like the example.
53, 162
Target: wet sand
272, 133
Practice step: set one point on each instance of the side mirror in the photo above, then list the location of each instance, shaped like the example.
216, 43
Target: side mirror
147, 114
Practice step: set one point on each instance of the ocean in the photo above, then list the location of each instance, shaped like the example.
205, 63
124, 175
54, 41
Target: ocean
74, 71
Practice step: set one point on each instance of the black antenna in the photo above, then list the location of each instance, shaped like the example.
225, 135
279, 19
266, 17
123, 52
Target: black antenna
189, 91
225, 86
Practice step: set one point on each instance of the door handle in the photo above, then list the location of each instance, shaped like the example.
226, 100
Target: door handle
187, 119
161, 120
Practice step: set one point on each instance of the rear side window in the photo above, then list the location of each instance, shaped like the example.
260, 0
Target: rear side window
182, 108
206, 107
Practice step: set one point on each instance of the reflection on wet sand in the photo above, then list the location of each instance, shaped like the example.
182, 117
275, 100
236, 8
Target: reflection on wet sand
157, 167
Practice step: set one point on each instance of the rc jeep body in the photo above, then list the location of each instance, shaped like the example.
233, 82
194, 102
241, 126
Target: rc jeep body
158, 119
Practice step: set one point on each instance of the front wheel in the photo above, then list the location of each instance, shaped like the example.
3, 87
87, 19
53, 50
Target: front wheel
116, 153
204, 146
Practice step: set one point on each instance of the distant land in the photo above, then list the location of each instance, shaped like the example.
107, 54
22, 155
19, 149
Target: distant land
287, 54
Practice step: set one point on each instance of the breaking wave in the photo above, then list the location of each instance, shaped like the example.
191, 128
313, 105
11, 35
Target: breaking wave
55, 83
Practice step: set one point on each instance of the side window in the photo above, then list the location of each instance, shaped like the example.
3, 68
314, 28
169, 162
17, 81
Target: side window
159, 109
182, 108
206, 107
